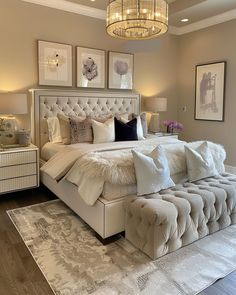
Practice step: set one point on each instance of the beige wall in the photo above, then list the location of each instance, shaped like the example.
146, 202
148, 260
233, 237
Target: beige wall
156, 70
21, 24
212, 44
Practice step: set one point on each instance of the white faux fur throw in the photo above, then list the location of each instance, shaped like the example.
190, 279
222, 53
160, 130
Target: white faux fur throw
117, 167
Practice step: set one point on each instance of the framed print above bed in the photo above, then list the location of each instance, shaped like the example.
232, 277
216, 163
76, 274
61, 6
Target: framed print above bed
210, 91
120, 70
90, 67
54, 64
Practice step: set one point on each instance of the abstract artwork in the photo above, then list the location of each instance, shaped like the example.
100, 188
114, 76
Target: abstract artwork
54, 63
210, 91
120, 70
90, 67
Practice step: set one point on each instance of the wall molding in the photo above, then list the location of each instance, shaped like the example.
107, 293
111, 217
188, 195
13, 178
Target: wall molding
71, 7
208, 22
101, 14
230, 169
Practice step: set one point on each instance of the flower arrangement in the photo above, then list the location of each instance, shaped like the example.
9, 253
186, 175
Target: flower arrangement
90, 69
171, 125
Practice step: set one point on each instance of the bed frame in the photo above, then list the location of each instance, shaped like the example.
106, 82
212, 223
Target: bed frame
105, 217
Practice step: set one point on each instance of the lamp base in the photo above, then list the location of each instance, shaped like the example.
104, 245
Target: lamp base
154, 125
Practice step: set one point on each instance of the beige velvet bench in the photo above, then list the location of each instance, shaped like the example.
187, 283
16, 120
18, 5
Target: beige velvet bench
163, 222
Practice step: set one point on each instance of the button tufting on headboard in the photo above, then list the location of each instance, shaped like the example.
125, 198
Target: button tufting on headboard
49, 103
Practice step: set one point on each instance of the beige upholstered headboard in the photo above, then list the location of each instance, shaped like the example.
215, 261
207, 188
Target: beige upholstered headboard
49, 103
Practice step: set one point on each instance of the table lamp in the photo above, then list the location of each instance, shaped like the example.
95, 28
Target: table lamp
156, 105
10, 104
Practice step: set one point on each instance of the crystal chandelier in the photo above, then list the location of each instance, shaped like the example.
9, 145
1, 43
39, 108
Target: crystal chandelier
137, 19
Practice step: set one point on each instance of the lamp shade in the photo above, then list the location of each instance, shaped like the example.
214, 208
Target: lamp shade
13, 104
156, 104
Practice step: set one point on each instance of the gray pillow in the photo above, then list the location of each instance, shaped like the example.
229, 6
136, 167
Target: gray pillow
200, 163
80, 131
152, 172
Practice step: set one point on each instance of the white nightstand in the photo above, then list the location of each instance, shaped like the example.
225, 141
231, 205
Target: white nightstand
162, 134
19, 169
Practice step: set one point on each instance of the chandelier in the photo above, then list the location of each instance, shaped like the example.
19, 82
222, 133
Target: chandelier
137, 19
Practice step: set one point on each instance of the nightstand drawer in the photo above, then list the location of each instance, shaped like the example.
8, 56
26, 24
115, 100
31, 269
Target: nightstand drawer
15, 158
14, 184
17, 171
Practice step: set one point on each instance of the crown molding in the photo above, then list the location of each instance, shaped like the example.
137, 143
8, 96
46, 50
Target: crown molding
205, 23
101, 14
71, 7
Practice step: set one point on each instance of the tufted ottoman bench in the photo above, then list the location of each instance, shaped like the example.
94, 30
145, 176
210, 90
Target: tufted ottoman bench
163, 222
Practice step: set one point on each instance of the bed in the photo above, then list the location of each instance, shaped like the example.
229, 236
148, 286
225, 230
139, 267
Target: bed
106, 215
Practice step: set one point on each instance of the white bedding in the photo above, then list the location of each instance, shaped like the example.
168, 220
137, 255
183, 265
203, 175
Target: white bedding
90, 166
109, 191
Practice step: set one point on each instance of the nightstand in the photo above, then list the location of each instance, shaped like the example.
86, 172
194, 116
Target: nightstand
19, 169
162, 134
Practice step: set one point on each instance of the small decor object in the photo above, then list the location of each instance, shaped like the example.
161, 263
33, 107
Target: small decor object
120, 70
210, 91
55, 64
137, 19
90, 67
23, 137
171, 125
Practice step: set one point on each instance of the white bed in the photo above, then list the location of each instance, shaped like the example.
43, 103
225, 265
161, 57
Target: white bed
106, 216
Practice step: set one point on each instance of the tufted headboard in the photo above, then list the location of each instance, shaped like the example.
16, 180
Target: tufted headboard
49, 103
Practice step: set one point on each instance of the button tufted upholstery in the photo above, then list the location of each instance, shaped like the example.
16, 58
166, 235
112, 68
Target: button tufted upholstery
161, 223
81, 105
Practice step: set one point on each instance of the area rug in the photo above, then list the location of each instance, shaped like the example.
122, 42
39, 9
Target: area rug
74, 262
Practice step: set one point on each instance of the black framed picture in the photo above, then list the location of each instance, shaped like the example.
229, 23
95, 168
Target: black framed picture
210, 91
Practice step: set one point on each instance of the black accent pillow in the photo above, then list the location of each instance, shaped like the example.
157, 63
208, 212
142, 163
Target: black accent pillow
126, 131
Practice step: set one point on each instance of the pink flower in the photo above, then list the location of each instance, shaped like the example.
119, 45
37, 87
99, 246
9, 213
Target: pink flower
170, 124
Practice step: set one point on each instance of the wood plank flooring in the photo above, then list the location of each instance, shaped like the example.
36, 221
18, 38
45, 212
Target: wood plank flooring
20, 275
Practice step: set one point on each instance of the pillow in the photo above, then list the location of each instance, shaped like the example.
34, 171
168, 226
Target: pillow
152, 172
80, 131
54, 132
126, 131
64, 122
139, 126
200, 163
143, 117
103, 132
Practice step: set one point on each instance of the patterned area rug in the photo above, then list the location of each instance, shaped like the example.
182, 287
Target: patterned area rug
74, 262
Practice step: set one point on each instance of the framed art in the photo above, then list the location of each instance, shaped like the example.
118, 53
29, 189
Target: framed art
54, 63
210, 91
90, 67
120, 70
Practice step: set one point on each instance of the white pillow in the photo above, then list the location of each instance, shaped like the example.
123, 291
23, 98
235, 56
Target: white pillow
139, 126
152, 172
54, 131
200, 163
103, 132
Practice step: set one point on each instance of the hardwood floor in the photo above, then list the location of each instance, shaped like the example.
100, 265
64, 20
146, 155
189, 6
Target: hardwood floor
20, 275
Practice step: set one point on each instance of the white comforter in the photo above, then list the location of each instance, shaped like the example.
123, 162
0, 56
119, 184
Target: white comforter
89, 166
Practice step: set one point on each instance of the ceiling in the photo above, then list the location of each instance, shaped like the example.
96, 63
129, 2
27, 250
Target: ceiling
201, 13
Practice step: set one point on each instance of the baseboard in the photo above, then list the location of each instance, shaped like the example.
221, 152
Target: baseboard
230, 169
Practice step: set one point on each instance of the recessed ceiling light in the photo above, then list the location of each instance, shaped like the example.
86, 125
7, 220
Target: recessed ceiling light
92, 0
184, 20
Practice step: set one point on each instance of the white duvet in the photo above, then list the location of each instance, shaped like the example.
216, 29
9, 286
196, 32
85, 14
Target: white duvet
90, 166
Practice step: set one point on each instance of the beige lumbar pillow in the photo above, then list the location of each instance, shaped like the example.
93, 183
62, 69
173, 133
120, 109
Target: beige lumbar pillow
200, 163
103, 132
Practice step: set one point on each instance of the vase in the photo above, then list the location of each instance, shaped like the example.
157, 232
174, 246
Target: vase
169, 130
